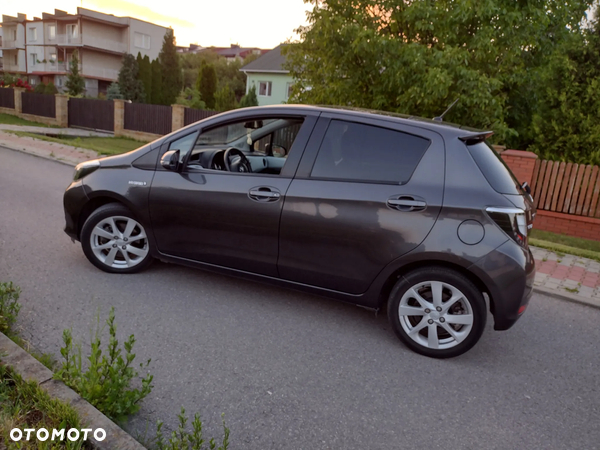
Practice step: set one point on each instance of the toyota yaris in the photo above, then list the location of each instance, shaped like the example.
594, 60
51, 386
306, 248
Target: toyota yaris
415, 216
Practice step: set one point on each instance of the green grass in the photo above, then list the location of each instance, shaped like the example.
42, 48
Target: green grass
9, 119
565, 245
25, 405
101, 145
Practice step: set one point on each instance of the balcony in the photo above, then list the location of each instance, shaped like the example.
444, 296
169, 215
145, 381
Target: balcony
10, 44
66, 39
100, 72
105, 44
13, 68
50, 67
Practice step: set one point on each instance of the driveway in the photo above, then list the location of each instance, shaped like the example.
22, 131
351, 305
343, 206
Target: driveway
294, 371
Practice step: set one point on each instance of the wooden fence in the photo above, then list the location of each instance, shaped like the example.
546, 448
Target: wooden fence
7, 98
92, 113
194, 115
38, 104
566, 188
155, 119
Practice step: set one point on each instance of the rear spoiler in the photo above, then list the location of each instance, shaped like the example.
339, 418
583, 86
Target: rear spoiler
476, 138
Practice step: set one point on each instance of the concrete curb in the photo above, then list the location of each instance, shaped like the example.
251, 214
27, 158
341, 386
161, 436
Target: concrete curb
31, 369
37, 155
567, 296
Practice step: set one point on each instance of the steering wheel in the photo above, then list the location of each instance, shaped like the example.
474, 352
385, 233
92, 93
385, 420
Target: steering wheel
238, 161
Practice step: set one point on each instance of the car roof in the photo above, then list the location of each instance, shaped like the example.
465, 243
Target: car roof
446, 128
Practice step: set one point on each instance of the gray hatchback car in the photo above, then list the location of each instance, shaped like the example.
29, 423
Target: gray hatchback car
410, 215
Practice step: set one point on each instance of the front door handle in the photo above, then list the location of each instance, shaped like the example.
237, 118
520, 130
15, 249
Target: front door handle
264, 194
407, 203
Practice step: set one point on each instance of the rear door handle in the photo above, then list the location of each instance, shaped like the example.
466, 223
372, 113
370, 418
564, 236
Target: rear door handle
407, 203
264, 194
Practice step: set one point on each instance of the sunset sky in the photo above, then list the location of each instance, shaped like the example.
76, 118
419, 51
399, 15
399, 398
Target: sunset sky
250, 23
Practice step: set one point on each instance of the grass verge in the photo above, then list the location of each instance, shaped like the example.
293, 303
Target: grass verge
9, 119
25, 405
101, 145
543, 241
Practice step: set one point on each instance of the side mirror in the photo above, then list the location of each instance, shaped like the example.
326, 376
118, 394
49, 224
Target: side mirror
170, 160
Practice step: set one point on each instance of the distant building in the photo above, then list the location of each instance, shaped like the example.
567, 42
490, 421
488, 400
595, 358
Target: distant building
232, 53
42, 48
273, 83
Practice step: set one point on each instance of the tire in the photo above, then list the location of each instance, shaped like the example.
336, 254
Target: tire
441, 301
128, 253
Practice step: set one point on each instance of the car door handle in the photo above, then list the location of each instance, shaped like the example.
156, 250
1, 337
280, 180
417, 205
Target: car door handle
262, 194
406, 203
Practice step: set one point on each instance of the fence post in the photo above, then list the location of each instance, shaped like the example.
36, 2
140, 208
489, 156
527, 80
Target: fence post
62, 110
177, 117
18, 100
521, 163
119, 116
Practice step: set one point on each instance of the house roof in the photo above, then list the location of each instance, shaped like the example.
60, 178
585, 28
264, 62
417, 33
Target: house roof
269, 62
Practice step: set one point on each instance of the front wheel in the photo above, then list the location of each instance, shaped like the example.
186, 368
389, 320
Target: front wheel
437, 312
114, 241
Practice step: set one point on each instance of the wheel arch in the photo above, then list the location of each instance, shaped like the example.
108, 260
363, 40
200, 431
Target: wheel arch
391, 280
92, 205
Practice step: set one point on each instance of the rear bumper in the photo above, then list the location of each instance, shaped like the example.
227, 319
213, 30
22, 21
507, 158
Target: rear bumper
508, 273
73, 201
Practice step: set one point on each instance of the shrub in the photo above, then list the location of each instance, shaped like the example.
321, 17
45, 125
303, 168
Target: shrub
106, 383
113, 92
40, 88
184, 440
9, 306
249, 99
191, 98
51, 89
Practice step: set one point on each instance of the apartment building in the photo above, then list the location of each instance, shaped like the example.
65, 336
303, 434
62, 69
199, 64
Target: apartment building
42, 48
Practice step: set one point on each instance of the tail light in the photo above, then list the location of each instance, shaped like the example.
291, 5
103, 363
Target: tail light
512, 221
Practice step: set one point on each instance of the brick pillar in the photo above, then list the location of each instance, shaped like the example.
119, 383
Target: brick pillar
119, 116
18, 101
521, 163
178, 114
62, 110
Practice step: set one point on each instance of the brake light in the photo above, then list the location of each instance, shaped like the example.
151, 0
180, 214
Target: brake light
512, 221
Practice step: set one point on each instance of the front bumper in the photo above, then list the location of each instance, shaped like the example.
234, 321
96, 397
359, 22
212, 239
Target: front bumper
508, 273
73, 201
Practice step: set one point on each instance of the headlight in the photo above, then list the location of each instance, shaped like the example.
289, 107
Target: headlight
85, 168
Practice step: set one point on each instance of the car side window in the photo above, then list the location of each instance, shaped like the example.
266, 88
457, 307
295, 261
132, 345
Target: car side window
184, 145
358, 152
257, 145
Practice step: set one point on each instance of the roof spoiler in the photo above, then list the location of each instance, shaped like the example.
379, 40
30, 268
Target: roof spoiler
476, 138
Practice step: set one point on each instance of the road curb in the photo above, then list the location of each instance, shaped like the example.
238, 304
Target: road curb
30, 369
27, 152
567, 296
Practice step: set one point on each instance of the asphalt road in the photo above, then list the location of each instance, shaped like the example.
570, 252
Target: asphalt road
294, 371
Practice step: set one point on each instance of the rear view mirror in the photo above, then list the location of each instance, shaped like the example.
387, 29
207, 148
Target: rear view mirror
170, 160
253, 124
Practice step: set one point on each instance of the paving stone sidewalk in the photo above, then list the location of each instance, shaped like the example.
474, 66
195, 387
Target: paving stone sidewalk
567, 273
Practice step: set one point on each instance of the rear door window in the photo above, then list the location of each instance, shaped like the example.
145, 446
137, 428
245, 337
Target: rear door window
358, 152
494, 169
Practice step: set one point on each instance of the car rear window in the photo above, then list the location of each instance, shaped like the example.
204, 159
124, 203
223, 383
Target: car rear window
494, 169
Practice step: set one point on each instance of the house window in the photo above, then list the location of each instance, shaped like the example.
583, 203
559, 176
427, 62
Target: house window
33, 34
33, 59
14, 35
288, 90
53, 57
15, 59
264, 88
142, 41
72, 31
51, 31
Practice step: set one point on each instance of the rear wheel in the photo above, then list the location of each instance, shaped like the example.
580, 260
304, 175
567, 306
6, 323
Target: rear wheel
437, 312
114, 241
